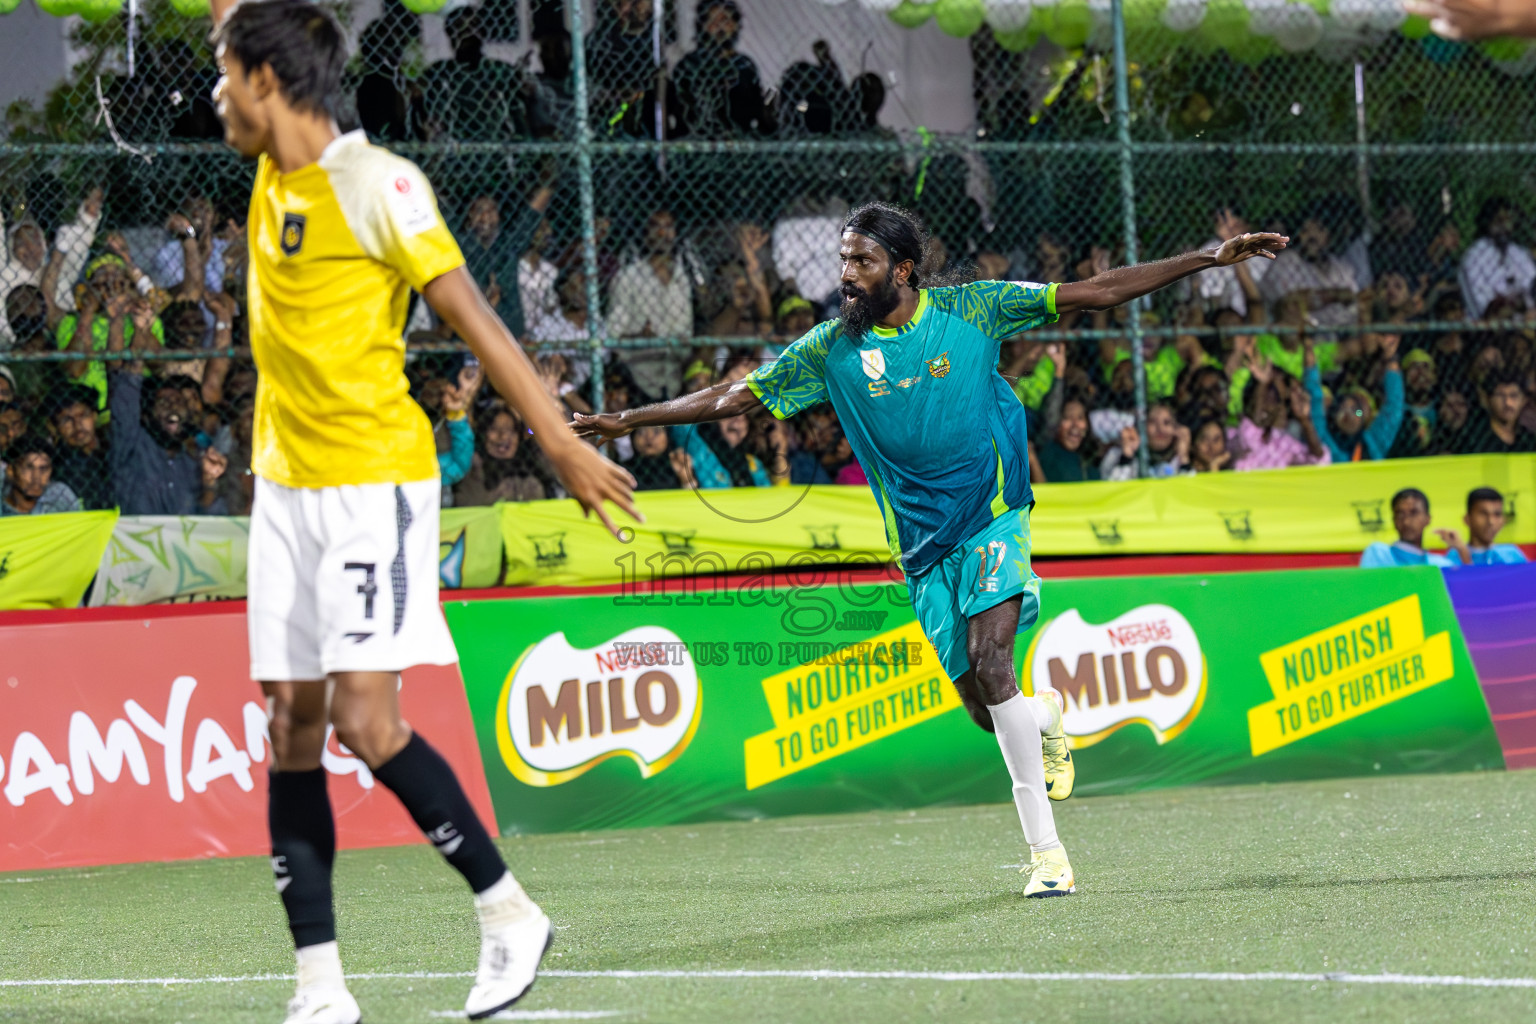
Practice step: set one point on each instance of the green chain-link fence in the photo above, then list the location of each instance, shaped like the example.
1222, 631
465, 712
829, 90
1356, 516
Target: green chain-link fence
686, 228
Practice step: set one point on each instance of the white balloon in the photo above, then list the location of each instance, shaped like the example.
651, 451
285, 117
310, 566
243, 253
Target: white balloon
1264, 15
880, 5
1008, 15
1184, 15
1299, 28
1352, 15
1388, 15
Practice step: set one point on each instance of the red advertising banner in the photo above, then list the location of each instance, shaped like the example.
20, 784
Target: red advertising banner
144, 739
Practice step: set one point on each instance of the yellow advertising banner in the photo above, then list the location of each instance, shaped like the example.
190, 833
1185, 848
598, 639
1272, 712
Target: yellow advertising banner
846, 700
753, 530
1353, 667
48, 561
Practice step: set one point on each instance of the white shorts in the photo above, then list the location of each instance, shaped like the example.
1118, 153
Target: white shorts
344, 579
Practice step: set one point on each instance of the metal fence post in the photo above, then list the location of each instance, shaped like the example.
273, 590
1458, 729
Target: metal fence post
1128, 208
588, 205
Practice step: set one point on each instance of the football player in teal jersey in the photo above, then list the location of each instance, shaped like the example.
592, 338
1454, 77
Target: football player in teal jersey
912, 373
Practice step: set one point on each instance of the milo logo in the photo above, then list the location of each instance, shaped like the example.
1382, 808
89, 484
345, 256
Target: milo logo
564, 710
1145, 667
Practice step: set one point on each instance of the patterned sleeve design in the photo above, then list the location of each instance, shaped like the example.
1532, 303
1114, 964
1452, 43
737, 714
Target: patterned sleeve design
1001, 309
797, 379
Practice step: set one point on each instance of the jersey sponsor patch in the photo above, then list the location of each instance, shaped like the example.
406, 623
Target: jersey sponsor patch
292, 239
410, 205
874, 362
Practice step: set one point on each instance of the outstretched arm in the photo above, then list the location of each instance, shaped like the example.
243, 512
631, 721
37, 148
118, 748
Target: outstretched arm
587, 476
1116, 287
722, 401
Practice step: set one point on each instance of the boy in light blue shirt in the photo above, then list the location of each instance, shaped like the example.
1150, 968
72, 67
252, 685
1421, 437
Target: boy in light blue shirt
1484, 519
1410, 517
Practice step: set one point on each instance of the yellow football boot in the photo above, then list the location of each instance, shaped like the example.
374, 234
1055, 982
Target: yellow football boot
1060, 772
1050, 874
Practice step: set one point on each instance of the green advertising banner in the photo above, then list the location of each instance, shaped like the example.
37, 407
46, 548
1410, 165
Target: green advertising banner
1302, 509
48, 561
609, 711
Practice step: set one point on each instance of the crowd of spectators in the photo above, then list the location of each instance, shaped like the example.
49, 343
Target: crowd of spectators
1261, 370
1258, 366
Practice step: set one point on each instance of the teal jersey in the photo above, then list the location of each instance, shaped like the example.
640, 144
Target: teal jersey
938, 431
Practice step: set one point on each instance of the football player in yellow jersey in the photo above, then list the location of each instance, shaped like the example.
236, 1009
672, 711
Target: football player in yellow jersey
344, 529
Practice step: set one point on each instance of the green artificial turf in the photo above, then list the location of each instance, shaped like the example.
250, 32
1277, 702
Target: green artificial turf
1426, 875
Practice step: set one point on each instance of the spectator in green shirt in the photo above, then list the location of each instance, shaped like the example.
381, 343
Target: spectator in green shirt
108, 304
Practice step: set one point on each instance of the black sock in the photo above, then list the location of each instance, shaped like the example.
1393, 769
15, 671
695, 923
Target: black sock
303, 852
430, 791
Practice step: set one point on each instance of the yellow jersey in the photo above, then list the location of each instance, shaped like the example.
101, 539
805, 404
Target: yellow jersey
335, 249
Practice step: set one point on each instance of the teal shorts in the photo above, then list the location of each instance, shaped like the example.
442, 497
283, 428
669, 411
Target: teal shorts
989, 568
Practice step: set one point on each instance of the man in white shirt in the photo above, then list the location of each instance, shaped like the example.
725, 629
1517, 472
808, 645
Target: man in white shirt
536, 281
168, 266
24, 256
653, 298
800, 247
1494, 267
1307, 267
1220, 287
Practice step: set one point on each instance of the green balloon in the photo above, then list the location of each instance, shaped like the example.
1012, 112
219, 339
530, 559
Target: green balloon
1416, 27
1071, 25
97, 11
424, 6
1251, 49
7, 6
1225, 26
1141, 15
1504, 49
1017, 41
191, 8
59, 8
910, 15
959, 18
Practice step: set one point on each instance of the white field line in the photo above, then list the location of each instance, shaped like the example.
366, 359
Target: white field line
1339, 977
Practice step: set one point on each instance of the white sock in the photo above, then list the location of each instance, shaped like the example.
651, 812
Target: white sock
504, 903
1019, 739
1040, 708
320, 966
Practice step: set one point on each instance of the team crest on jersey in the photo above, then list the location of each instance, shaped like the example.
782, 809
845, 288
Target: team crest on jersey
293, 233
940, 366
874, 362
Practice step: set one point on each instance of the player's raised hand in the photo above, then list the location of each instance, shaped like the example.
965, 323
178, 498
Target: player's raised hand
1246, 246
1476, 19
605, 426
593, 480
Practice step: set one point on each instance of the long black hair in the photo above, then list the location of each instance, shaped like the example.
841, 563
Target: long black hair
901, 233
